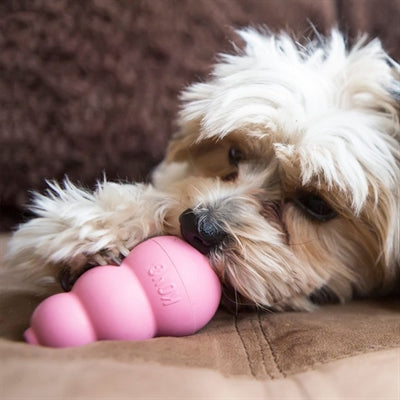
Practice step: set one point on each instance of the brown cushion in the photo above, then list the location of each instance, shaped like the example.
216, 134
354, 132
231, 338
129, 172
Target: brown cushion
91, 87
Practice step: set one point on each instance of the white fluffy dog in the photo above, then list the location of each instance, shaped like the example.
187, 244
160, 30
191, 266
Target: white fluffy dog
285, 171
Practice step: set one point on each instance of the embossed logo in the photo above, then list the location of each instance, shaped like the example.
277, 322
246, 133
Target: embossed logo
166, 289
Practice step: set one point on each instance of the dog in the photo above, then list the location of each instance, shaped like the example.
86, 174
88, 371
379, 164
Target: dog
284, 171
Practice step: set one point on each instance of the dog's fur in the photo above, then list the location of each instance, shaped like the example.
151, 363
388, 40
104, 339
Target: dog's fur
291, 150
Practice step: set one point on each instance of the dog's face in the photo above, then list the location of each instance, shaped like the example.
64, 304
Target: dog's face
286, 170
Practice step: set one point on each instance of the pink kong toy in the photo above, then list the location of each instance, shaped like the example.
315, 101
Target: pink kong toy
163, 287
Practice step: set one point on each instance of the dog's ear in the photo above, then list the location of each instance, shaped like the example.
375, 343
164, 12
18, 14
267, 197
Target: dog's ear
385, 209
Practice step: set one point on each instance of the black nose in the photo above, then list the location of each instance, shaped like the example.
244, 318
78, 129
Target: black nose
200, 230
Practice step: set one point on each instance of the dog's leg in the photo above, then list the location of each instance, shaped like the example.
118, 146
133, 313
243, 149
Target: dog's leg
75, 228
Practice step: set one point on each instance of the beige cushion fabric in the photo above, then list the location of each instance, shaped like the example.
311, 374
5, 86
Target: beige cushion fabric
63, 374
351, 350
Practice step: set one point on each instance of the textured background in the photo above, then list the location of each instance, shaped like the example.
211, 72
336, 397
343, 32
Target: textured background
88, 87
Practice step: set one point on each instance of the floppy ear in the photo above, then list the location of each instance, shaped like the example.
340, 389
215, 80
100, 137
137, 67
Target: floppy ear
385, 209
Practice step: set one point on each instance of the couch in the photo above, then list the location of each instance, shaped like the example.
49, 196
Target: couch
91, 88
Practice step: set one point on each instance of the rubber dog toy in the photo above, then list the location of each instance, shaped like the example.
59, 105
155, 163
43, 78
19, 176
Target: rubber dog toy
164, 287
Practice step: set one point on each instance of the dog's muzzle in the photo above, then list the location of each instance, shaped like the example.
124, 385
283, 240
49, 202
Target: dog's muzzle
201, 231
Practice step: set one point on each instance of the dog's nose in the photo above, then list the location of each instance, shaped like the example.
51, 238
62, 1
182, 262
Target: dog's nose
200, 231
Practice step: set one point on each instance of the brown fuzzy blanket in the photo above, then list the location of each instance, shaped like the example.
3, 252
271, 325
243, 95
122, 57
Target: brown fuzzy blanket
91, 87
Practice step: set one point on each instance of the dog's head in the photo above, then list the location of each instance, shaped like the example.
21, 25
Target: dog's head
286, 169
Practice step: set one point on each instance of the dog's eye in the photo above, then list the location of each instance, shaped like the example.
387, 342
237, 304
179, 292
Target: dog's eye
235, 156
315, 207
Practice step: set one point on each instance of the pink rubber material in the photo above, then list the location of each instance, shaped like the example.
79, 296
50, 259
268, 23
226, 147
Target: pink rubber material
164, 287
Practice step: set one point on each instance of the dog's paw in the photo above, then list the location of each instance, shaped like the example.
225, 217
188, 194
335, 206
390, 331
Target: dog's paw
75, 229
68, 275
